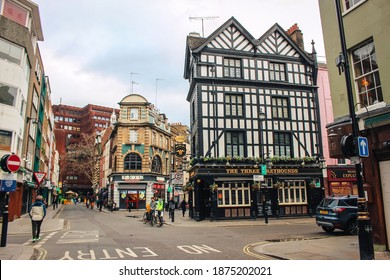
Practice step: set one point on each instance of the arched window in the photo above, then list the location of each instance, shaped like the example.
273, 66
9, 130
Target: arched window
133, 162
156, 164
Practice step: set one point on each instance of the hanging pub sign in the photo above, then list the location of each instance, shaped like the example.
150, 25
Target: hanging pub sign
180, 150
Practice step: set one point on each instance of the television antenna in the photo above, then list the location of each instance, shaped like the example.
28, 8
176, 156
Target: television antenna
202, 19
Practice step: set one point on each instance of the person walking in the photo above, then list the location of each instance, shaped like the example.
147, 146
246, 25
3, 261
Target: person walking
183, 206
171, 207
37, 214
55, 200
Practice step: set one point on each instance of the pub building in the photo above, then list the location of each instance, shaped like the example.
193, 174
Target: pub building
253, 102
231, 190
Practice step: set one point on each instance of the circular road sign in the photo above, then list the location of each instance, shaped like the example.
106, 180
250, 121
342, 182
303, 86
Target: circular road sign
13, 163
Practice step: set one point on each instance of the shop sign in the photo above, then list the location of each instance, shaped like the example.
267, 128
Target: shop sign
282, 171
159, 186
132, 177
180, 150
160, 179
342, 174
242, 171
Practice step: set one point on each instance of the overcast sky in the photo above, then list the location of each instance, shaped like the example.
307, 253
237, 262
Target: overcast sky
91, 47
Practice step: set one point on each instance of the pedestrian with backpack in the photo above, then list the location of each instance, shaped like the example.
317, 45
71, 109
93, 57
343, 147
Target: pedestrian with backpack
37, 214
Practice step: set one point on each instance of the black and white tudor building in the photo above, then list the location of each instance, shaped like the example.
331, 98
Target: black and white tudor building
253, 102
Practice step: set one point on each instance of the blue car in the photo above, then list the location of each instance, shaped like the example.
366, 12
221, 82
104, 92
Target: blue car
338, 213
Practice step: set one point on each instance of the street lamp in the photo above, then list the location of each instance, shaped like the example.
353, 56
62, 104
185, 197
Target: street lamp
366, 246
268, 164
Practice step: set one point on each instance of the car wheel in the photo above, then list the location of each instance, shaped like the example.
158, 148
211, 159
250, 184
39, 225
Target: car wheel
328, 229
352, 227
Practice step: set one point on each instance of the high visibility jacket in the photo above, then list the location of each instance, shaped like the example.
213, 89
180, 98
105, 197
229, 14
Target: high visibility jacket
160, 205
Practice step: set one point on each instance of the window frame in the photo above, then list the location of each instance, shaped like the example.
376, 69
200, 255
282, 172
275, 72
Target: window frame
349, 5
6, 140
233, 147
280, 111
13, 95
133, 136
287, 150
241, 197
132, 161
297, 191
134, 113
234, 108
277, 74
10, 54
232, 67
363, 77
156, 165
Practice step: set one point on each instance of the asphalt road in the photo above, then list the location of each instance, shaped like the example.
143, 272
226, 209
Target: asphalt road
92, 235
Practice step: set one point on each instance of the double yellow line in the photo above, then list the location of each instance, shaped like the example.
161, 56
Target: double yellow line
248, 250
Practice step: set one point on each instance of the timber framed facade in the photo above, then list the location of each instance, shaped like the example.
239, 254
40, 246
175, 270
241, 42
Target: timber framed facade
253, 99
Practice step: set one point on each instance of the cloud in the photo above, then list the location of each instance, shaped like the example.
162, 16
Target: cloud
92, 46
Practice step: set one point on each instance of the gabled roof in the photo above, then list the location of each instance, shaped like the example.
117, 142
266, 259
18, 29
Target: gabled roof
232, 22
233, 36
196, 44
276, 41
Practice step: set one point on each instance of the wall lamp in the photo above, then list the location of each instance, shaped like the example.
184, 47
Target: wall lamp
34, 120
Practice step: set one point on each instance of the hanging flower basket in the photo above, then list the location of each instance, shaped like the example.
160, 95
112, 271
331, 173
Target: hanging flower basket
214, 187
255, 187
312, 184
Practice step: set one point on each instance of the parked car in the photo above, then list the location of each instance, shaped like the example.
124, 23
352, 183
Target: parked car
338, 213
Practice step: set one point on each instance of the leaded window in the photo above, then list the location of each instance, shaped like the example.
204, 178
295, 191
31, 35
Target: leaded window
232, 68
277, 71
235, 144
280, 108
366, 74
233, 105
282, 144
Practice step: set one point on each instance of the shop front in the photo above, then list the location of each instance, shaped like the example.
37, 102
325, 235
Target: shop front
134, 190
241, 191
341, 180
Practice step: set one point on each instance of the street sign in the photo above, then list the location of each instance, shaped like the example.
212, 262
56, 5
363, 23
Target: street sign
8, 185
258, 178
363, 146
39, 176
13, 163
10, 163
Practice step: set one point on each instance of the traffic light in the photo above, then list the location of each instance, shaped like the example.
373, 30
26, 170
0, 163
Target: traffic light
348, 146
3, 163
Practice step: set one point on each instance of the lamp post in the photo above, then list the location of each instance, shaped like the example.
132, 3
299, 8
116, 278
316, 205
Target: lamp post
366, 246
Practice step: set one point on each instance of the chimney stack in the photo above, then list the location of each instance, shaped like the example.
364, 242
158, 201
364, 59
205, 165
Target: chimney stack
296, 35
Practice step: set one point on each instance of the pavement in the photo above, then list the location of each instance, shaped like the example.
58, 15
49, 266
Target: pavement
341, 247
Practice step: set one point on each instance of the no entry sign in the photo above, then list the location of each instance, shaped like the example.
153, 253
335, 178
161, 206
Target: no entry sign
10, 163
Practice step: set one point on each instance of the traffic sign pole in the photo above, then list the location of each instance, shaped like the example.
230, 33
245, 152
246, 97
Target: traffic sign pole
366, 246
4, 227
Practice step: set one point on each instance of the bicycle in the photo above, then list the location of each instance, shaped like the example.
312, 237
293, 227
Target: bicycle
157, 219
152, 218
